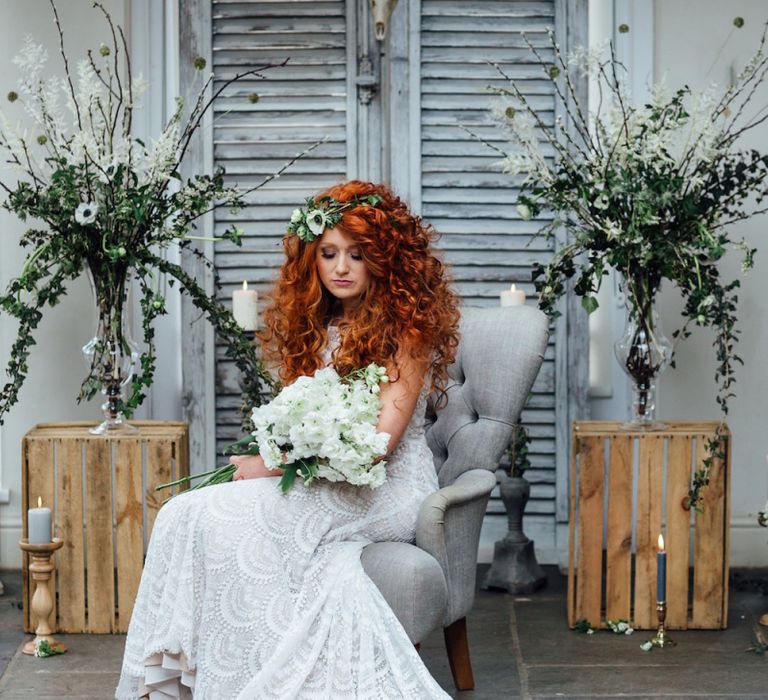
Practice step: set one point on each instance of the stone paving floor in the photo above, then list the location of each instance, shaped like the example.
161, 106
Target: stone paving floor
521, 648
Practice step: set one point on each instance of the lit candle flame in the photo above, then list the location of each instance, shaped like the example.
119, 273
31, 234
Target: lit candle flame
39, 501
514, 288
245, 285
661, 543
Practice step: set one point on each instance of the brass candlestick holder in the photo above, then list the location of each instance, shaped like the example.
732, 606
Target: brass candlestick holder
661, 639
42, 602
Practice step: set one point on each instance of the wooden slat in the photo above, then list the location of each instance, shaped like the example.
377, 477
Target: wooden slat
182, 463
71, 557
678, 534
618, 588
590, 517
600, 427
648, 528
40, 483
572, 533
129, 530
159, 469
709, 546
25, 469
79, 429
726, 477
98, 531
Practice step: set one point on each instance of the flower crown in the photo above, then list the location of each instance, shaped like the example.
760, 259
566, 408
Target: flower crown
310, 221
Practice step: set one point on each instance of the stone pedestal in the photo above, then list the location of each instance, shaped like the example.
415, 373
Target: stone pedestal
514, 568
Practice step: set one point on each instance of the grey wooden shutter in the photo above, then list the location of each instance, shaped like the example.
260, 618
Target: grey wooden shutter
299, 104
437, 62
467, 199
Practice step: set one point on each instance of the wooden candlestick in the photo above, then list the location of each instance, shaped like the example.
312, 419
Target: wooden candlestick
42, 603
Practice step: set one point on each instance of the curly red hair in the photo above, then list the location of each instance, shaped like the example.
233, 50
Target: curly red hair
407, 307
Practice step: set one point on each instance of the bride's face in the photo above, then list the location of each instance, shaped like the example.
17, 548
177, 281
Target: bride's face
341, 267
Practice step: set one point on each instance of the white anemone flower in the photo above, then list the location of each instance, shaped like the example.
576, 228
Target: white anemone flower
86, 213
317, 221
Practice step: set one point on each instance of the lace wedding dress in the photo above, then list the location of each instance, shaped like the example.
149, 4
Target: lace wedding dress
251, 594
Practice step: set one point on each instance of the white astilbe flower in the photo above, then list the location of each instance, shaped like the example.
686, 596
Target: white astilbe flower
90, 91
705, 131
31, 61
329, 419
139, 87
161, 158
528, 160
589, 60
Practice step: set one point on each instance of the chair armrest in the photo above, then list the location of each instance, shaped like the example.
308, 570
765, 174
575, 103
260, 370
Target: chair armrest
448, 527
411, 582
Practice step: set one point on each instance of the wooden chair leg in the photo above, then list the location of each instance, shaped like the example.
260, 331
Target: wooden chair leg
458, 654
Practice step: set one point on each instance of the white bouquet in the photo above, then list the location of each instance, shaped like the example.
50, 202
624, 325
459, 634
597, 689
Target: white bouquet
324, 427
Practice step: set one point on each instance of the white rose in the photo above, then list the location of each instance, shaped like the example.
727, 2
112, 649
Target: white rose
86, 213
296, 216
525, 212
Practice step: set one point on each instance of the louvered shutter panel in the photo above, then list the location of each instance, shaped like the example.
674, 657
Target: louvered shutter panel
467, 199
298, 105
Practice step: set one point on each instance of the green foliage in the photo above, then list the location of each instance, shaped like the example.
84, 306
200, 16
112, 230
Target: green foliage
107, 204
43, 648
759, 644
517, 452
650, 191
584, 626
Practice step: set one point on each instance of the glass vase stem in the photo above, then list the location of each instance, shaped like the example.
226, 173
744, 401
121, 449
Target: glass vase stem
643, 351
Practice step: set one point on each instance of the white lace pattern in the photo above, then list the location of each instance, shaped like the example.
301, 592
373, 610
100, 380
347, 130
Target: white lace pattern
251, 594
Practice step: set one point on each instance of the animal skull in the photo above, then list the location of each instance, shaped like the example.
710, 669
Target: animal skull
381, 11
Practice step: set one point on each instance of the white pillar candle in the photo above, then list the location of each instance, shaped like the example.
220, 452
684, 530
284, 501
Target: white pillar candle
513, 297
245, 308
39, 524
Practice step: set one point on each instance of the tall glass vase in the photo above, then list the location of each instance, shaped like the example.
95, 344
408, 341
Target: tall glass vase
643, 352
111, 355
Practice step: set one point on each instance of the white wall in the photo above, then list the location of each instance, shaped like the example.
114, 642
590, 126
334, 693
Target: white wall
688, 392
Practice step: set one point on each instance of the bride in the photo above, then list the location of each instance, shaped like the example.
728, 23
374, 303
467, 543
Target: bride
250, 593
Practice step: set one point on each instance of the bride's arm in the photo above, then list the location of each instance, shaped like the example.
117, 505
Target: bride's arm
398, 399
251, 467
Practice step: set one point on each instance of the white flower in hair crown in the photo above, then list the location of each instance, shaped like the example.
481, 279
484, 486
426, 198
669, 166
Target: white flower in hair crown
310, 221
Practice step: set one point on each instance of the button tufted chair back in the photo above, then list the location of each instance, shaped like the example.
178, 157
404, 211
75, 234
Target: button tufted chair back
432, 582
499, 355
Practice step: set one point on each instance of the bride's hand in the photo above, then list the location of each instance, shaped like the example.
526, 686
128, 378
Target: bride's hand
251, 468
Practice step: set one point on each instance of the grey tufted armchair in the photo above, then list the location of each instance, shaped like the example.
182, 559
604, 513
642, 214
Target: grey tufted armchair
432, 582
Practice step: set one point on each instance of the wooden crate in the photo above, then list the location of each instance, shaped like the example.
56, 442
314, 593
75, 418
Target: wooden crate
101, 494
626, 488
